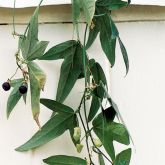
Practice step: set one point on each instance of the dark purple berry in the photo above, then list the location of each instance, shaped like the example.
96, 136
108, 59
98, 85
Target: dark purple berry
6, 86
23, 89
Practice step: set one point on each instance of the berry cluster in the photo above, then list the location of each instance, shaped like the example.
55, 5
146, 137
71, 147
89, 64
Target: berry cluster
22, 89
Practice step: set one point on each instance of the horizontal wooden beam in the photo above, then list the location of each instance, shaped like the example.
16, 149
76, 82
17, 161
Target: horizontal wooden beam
62, 14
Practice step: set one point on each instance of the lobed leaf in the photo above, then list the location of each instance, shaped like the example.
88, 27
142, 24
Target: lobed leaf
60, 51
37, 51
109, 132
30, 46
70, 71
100, 129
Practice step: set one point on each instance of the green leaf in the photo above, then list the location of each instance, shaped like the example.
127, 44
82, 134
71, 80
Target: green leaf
16, 82
70, 70
74, 123
93, 32
98, 74
76, 10
108, 43
114, 105
64, 160
28, 43
119, 133
56, 106
37, 81
38, 50
99, 92
14, 96
30, 46
101, 160
112, 4
95, 105
125, 55
60, 51
88, 9
123, 158
114, 30
100, 128
55, 127
33, 27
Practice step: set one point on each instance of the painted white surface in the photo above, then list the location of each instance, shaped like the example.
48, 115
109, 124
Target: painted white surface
24, 3
140, 96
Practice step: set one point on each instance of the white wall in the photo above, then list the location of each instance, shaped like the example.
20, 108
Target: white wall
140, 95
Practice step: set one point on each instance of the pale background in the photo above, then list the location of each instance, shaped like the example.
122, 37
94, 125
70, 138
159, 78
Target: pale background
140, 96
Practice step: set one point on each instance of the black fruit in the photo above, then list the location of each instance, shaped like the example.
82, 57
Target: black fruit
6, 86
23, 89
109, 113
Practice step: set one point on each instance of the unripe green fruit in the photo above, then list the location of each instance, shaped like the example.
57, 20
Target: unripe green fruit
97, 142
77, 133
79, 147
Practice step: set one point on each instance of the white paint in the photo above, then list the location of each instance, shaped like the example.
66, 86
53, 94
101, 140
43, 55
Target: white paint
140, 96
148, 2
23, 3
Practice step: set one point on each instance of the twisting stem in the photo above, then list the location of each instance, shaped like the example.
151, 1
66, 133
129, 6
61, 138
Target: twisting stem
14, 18
14, 73
100, 152
86, 130
90, 135
84, 55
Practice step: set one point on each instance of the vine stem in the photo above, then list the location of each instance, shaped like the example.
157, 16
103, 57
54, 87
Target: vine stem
86, 132
14, 73
14, 18
84, 55
85, 111
90, 135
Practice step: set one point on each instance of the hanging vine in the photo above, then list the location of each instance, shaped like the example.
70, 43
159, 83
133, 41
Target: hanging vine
99, 138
